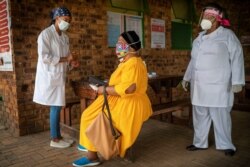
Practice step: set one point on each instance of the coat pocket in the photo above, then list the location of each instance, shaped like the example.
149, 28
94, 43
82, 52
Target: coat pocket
56, 78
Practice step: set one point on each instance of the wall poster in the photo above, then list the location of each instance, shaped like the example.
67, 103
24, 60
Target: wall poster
157, 33
5, 38
118, 23
134, 23
115, 27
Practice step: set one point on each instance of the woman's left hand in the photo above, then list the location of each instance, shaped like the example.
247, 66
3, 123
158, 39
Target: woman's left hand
100, 90
75, 63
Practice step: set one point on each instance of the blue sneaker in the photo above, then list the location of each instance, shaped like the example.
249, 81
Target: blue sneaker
81, 148
85, 162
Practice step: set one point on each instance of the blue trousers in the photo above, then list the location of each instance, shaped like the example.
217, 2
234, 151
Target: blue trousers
55, 131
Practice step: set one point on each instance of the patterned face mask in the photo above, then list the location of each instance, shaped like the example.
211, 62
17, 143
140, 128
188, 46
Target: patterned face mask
121, 49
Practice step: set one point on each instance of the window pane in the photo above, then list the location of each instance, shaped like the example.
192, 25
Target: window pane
184, 9
181, 36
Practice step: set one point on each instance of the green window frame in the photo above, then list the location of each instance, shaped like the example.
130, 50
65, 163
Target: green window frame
181, 36
183, 16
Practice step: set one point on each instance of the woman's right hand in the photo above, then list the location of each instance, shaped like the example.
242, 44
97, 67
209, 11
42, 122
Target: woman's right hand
73, 56
74, 63
185, 85
69, 58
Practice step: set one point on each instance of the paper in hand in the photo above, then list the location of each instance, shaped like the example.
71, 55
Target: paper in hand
95, 88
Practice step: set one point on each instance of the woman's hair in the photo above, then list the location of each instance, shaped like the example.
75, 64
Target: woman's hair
132, 39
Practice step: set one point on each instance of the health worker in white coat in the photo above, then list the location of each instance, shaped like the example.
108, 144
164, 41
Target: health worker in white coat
54, 58
215, 72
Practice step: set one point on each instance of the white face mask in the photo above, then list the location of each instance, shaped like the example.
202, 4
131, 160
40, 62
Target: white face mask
206, 24
63, 25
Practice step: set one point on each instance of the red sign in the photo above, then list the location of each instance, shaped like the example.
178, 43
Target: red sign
4, 40
3, 5
4, 48
4, 29
157, 28
4, 23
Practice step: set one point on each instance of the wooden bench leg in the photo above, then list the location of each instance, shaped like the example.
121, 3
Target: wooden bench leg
68, 116
62, 115
65, 115
130, 154
190, 116
170, 117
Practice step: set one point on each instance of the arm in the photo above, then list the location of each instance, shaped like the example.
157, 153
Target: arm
129, 78
111, 90
127, 83
188, 73
187, 77
44, 50
236, 60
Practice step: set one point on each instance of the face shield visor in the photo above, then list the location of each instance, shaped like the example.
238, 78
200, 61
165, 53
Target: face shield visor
208, 17
212, 14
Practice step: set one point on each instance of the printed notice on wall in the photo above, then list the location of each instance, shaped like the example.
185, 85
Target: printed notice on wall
5, 44
118, 23
157, 33
115, 27
134, 23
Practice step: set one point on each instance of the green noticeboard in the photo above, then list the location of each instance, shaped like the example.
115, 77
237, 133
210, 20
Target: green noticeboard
181, 36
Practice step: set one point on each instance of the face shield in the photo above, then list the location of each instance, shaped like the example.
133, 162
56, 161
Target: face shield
208, 17
210, 14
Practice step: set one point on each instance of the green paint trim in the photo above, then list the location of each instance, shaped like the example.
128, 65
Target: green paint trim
145, 7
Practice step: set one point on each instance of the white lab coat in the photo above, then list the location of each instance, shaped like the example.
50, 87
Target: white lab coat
50, 74
216, 64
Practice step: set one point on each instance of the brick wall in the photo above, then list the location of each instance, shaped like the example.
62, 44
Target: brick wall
88, 35
8, 103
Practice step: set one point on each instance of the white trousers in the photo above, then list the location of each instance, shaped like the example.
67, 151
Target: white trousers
221, 118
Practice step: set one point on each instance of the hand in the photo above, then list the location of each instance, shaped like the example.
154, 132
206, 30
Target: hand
69, 58
236, 88
75, 55
95, 88
74, 63
185, 85
100, 90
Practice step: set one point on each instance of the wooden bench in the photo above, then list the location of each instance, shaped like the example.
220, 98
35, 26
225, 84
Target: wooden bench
65, 115
242, 99
171, 107
167, 108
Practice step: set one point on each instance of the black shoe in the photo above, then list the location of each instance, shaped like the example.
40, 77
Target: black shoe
193, 148
229, 152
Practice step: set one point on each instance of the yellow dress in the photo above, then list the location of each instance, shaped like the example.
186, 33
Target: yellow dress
129, 111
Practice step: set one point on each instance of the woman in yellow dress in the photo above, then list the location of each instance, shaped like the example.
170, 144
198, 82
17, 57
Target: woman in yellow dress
127, 98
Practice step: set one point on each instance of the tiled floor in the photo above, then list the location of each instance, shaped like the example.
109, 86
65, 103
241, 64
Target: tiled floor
159, 145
